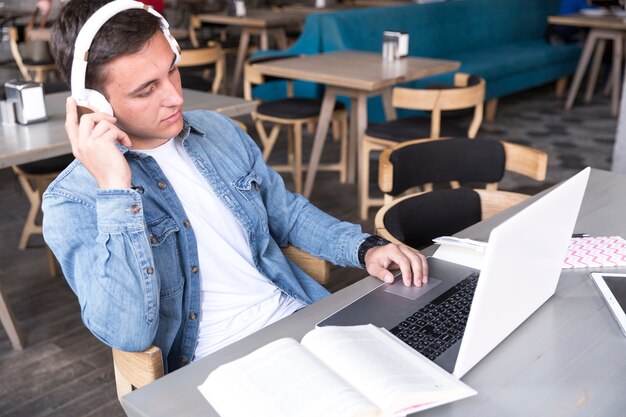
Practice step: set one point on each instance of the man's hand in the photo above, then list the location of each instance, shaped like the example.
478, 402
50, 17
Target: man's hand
93, 139
380, 259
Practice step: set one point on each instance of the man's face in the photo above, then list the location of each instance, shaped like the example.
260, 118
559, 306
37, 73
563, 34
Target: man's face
146, 95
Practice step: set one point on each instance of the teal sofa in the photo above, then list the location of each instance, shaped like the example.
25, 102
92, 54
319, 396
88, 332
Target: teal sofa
500, 40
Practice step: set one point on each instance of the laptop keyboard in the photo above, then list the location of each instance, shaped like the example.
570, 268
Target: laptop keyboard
438, 325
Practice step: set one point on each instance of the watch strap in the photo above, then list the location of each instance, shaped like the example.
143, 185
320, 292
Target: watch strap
368, 244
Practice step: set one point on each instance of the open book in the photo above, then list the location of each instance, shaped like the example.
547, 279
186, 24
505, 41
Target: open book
335, 371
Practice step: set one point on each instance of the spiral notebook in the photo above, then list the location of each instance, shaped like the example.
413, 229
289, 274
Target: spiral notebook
594, 252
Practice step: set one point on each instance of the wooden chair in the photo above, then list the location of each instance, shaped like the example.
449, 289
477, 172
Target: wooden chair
467, 92
30, 69
294, 113
34, 179
416, 218
424, 162
200, 58
136, 369
229, 44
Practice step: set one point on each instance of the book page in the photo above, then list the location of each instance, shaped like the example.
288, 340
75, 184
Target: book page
391, 374
282, 379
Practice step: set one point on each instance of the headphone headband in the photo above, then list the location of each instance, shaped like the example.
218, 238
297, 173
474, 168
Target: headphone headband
88, 32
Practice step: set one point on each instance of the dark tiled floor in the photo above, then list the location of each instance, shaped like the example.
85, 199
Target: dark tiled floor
64, 371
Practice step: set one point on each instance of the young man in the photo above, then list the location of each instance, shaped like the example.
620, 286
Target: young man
168, 226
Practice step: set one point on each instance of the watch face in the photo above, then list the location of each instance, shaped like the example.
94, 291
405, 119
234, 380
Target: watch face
379, 241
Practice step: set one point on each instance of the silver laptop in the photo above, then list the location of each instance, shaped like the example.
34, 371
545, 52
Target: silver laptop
462, 313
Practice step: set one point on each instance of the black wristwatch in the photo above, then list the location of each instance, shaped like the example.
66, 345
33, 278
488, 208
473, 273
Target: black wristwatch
368, 244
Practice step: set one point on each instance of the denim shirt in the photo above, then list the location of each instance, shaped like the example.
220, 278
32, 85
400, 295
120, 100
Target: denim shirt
131, 257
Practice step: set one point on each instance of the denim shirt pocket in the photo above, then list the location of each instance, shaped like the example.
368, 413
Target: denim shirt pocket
249, 187
163, 234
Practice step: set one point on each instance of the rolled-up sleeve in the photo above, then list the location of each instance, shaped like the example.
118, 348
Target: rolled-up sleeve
105, 254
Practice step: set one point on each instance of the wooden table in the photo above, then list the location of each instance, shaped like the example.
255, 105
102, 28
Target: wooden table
601, 29
21, 144
261, 23
358, 75
567, 359
8, 14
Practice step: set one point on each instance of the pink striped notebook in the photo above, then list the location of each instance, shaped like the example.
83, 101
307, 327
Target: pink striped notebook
590, 252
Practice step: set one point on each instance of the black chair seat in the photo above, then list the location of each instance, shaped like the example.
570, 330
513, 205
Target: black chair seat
27, 61
417, 220
47, 166
293, 108
415, 127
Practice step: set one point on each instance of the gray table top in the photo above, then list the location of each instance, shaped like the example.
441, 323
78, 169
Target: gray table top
20, 144
568, 358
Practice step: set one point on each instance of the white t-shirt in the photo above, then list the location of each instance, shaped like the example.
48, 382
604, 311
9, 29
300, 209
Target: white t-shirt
237, 299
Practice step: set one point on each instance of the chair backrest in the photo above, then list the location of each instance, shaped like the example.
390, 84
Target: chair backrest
15, 51
212, 54
418, 162
467, 92
33, 55
136, 369
417, 218
194, 25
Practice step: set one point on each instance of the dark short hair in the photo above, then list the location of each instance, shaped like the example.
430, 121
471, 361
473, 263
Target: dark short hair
124, 34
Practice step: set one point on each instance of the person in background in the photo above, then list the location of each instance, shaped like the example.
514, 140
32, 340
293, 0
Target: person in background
558, 35
158, 5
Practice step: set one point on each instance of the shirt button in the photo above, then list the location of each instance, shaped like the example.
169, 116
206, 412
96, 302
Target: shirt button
135, 209
194, 269
187, 224
161, 185
150, 270
153, 239
193, 316
136, 156
183, 360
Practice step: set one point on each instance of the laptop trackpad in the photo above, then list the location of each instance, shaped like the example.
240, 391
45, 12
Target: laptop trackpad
412, 292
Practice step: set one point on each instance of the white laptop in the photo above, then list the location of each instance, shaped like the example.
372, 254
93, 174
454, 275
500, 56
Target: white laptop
520, 272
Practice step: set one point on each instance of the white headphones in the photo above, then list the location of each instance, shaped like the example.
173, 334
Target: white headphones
92, 100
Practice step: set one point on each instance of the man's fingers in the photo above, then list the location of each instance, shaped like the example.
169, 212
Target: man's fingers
102, 128
82, 127
424, 262
94, 125
381, 273
71, 119
399, 258
116, 134
412, 264
419, 266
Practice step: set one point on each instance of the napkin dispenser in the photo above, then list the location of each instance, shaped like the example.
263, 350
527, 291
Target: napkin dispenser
395, 45
28, 101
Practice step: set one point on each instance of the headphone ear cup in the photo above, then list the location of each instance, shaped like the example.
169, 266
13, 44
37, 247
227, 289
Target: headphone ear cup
83, 110
94, 101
